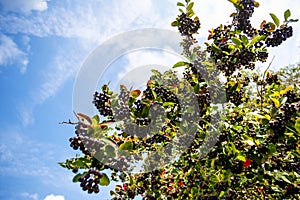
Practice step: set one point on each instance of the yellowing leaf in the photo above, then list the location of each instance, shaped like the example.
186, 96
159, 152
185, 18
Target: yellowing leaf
135, 93
267, 117
286, 89
241, 158
276, 102
297, 125
256, 4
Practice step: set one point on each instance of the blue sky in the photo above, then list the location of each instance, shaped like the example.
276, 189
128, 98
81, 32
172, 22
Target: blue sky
43, 44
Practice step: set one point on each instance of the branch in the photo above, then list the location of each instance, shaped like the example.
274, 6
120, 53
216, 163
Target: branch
263, 87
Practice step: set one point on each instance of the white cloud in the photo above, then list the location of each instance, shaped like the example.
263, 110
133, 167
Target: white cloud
25, 6
25, 114
90, 22
30, 196
139, 64
5, 154
54, 197
10, 53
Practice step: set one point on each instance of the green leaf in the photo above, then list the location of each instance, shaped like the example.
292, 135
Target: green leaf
79, 164
237, 41
168, 104
175, 23
256, 39
197, 89
180, 64
128, 145
287, 14
241, 158
96, 120
245, 39
104, 180
145, 111
222, 193
180, 4
234, 148
110, 151
190, 13
62, 164
190, 6
297, 125
293, 20
275, 19
75, 178
285, 179
215, 48
272, 149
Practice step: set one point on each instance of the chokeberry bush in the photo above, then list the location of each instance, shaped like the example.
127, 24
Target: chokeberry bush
257, 152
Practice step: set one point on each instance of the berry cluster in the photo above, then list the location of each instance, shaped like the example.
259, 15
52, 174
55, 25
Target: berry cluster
234, 96
188, 26
272, 79
142, 121
279, 123
85, 144
204, 101
89, 182
247, 57
243, 17
122, 111
102, 103
278, 36
262, 56
148, 94
165, 95
291, 97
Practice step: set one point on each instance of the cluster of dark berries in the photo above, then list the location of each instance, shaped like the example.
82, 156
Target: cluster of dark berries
139, 105
81, 129
122, 111
246, 57
197, 68
291, 97
165, 95
204, 101
101, 101
143, 121
147, 93
85, 144
234, 96
89, 182
272, 79
279, 35
279, 123
289, 110
188, 26
243, 17
262, 56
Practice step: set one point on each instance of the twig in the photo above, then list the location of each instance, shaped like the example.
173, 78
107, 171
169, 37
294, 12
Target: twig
263, 87
69, 122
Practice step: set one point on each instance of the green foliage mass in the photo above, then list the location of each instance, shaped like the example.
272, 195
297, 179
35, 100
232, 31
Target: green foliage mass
257, 152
